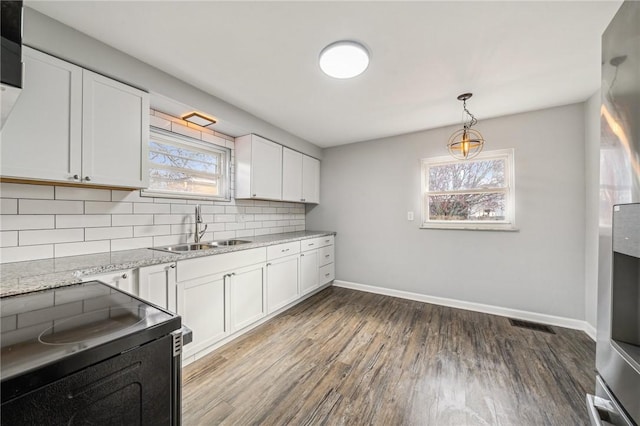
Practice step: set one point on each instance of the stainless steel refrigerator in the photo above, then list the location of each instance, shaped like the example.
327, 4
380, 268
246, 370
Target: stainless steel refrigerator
617, 393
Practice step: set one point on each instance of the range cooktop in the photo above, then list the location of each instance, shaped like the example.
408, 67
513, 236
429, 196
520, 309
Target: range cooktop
69, 328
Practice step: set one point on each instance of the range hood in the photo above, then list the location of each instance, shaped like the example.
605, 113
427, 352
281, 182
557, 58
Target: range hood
11, 56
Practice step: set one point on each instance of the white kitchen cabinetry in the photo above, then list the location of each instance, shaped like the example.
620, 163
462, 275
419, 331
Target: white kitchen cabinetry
72, 125
300, 177
42, 137
123, 280
157, 284
308, 271
246, 291
201, 304
209, 292
310, 180
258, 168
282, 275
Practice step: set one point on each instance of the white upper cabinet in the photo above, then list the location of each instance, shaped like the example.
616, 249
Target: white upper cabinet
300, 177
72, 125
42, 137
310, 180
115, 132
291, 175
258, 168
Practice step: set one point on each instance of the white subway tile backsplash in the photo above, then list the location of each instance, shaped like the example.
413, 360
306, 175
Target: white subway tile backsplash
166, 240
131, 219
8, 206
8, 238
109, 233
184, 130
50, 207
26, 221
130, 196
21, 190
151, 230
172, 219
224, 235
217, 140
82, 221
50, 236
159, 122
75, 249
100, 207
20, 254
131, 243
141, 208
86, 194
44, 221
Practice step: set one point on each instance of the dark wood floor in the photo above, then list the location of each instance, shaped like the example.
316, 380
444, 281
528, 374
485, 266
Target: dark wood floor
348, 357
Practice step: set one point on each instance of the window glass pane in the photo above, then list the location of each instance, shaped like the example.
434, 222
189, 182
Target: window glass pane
488, 206
180, 157
467, 175
176, 181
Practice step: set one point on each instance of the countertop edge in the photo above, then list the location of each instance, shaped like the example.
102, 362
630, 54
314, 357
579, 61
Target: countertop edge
12, 286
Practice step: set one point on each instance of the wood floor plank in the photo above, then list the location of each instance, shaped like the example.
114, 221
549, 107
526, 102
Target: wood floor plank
344, 357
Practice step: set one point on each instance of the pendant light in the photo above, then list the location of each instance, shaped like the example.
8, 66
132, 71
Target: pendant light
466, 143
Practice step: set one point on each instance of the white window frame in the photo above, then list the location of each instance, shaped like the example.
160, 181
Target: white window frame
179, 140
508, 224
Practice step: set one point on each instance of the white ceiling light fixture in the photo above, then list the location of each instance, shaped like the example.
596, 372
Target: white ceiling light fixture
344, 59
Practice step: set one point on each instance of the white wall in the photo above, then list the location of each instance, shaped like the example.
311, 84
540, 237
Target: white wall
367, 189
592, 200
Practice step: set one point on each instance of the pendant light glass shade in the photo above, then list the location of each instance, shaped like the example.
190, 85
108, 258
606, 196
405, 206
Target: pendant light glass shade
466, 143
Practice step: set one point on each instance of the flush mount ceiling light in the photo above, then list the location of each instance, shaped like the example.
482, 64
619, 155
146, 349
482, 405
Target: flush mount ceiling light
466, 143
344, 59
199, 119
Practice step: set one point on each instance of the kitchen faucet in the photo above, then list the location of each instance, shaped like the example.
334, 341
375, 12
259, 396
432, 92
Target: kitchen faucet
199, 233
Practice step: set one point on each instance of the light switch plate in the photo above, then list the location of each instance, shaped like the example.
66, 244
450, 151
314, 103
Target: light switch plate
409, 215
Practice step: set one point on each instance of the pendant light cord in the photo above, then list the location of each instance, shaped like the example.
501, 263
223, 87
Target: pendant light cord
473, 118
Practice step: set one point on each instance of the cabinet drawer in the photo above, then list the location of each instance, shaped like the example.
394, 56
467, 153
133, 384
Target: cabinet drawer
326, 273
122, 280
325, 255
215, 264
314, 243
282, 250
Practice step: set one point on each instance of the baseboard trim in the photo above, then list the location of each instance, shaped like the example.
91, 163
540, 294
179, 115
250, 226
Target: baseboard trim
477, 307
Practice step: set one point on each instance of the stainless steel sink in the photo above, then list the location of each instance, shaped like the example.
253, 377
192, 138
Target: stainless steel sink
231, 242
188, 247
183, 248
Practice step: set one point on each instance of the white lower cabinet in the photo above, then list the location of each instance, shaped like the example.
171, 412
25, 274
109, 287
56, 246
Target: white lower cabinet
123, 280
308, 271
201, 304
157, 284
282, 282
246, 291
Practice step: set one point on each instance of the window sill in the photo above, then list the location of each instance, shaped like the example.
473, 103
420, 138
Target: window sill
184, 196
470, 227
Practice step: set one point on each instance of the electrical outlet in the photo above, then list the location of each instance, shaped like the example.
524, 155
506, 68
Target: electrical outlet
409, 215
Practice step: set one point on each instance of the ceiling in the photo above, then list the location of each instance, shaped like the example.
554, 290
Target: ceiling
262, 57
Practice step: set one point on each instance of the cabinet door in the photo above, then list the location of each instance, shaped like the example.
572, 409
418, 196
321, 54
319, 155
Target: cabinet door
282, 282
115, 132
266, 169
246, 296
308, 271
201, 304
157, 284
122, 280
291, 175
42, 137
310, 179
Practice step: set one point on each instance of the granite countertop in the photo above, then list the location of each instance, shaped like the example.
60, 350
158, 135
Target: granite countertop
23, 277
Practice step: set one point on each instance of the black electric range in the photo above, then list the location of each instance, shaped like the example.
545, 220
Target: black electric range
93, 341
